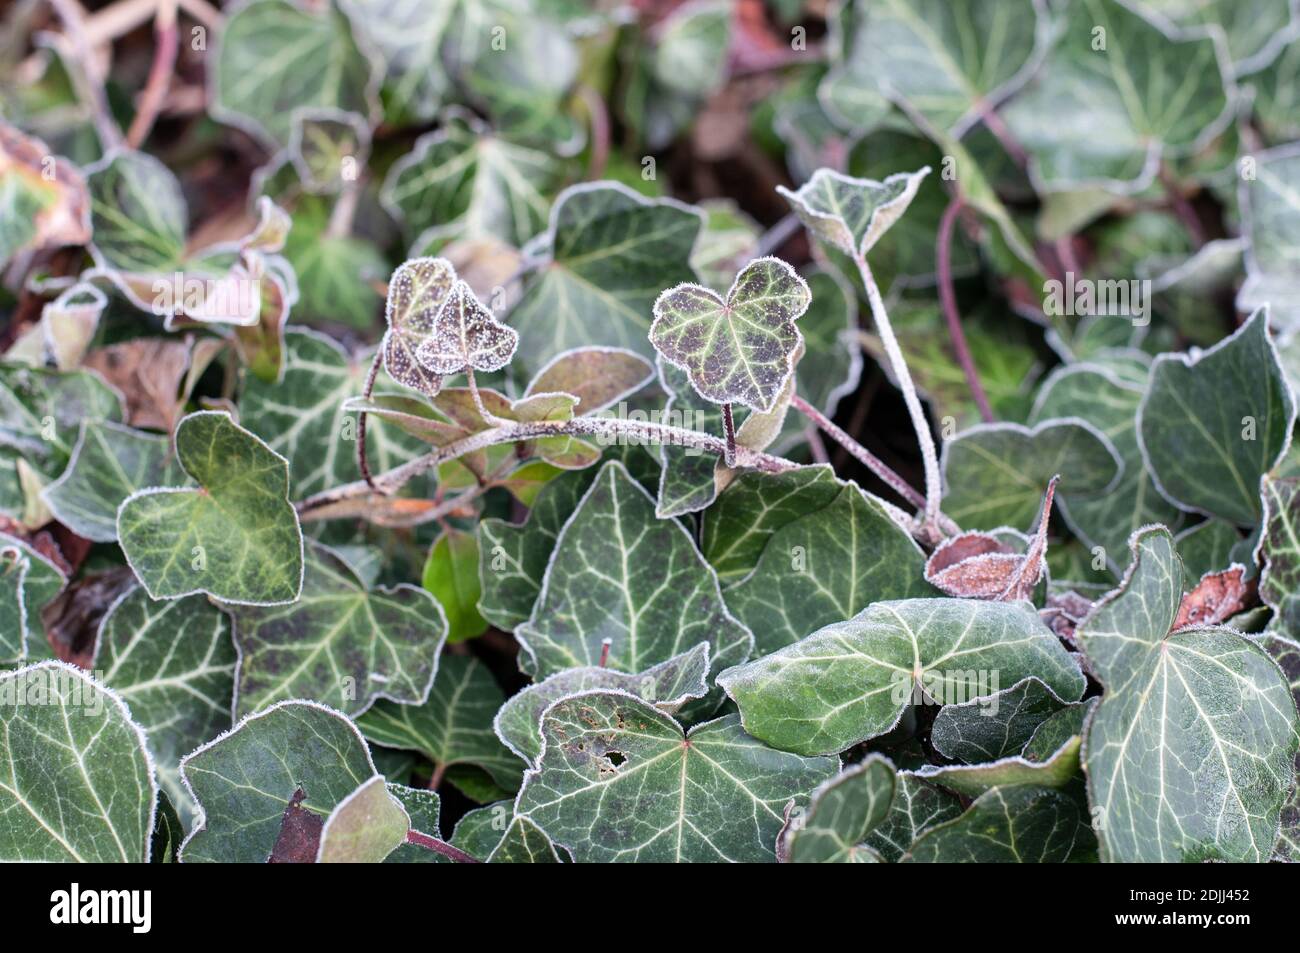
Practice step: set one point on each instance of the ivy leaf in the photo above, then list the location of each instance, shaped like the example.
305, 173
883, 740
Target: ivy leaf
1099, 111
851, 214
13, 609
612, 253
336, 274
416, 293
466, 335
423, 807
1286, 652
235, 537
37, 580
109, 463
462, 181
365, 827
688, 479
1271, 222
1173, 703
917, 807
618, 780
1253, 32
841, 813
1059, 770
495, 835
741, 349
454, 727
139, 215
996, 727
668, 686
1021, 824
43, 203
79, 784
1207, 445
1279, 547
323, 144
338, 643
851, 681
996, 474
243, 780
451, 574
598, 376
274, 57
409, 36
826, 567
174, 663
619, 574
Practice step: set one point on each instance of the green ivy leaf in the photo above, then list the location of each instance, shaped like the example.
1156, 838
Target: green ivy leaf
496, 836
995, 475
612, 252
1173, 703
618, 573
1059, 771
13, 609
841, 813
852, 214
338, 643
109, 463
619, 780
1253, 31
454, 727
1019, 825
917, 807
235, 537
741, 349
139, 215
243, 781
79, 784
365, 827
668, 686
1207, 444
996, 727
451, 574
1271, 213
37, 582
851, 681
173, 662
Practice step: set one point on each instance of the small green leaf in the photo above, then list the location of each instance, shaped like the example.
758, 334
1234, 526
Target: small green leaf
236, 537
841, 813
1014, 825
851, 214
365, 827
78, 782
451, 574
618, 780
995, 727
598, 376
917, 807
416, 293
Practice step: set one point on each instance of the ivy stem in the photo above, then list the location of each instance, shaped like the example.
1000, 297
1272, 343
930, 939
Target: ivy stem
729, 428
604, 651
948, 298
363, 461
859, 452
166, 44
435, 779
598, 116
439, 847
903, 378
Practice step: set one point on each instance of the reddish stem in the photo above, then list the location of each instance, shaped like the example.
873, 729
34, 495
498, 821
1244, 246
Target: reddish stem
729, 427
160, 76
440, 847
604, 652
363, 460
949, 301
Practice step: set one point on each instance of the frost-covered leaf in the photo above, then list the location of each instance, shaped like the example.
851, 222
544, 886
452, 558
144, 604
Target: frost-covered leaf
465, 334
1285, 650
1115, 95
1279, 546
69, 323
139, 215
612, 253
917, 807
995, 727
43, 197
78, 781
365, 827
244, 780
235, 536
621, 580
109, 463
1254, 30
36, 579
451, 574
328, 147
173, 662
1013, 825
826, 567
424, 808
851, 681
618, 780
1058, 770
841, 813
1212, 424
494, 835
1274, 87
276, 56
739, 349
337, 274
462, 181
1190, 754
667, 686
416, 293
1271, 214
598, 376
688, 478
996, 474
338, 643
851, 214
454, 727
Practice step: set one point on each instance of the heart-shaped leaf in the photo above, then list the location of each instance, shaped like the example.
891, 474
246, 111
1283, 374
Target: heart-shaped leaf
174, 663
235, 537
1174, 705
851, 214
339, 643
619, 780
243, 780
365, 827
841, 813
465, 335
628, 586
1207, 445
416, 293
739, 349
851, 681
79, 784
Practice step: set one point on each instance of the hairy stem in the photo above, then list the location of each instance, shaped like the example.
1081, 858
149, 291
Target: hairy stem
904, 379
439, 847
363, 460
948, 298
729, 428
166, 44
